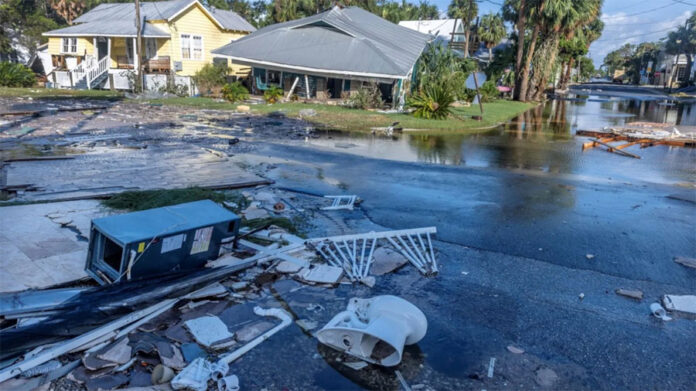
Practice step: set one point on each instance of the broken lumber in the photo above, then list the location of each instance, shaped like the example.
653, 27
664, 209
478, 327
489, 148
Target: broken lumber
614, 149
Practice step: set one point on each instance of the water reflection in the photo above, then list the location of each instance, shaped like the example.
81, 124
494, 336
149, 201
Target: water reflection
543, 139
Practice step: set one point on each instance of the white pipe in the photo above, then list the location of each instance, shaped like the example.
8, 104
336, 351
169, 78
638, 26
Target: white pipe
81, 340
275, 312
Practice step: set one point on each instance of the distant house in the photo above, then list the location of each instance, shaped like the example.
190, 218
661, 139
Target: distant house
441, 29
99, 49
330, 54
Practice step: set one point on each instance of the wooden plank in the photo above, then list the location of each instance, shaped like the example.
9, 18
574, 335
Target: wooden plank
620, 152
628, 144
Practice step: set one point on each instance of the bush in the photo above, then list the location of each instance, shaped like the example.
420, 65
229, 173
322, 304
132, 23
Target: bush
210, 76
16, 75
369, 97
489, 92
273, 94
433, 102
235, 92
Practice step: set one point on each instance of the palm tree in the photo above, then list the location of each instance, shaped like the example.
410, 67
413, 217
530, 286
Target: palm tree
466, 10
516, 11
535, 14
491, 31
562, 19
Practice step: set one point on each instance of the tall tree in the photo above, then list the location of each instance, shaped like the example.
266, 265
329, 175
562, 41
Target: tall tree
516, 11
491, 31
68, 9
467, 11
536, 11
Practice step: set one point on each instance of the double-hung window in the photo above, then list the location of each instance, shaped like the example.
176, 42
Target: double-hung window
69, 45
191, 47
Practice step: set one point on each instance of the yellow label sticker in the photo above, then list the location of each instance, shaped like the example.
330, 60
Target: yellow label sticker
141, 247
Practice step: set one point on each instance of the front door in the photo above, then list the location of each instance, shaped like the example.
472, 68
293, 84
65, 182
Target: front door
102, 47
150, 48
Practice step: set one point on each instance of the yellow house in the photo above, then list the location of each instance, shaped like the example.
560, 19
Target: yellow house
99, 49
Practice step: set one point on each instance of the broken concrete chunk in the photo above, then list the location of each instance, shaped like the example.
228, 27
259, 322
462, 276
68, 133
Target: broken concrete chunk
209, 330
306, 324
684, 304
253, 330
288, 267
546, 377
119, 352
688, 262
253, 212
323, 274
386, 260
633, 294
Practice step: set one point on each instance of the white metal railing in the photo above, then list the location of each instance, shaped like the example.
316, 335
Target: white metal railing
96, 71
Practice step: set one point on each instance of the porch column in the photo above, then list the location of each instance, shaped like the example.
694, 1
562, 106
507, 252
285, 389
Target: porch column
306, 82
108, 50
136, 60
95, 52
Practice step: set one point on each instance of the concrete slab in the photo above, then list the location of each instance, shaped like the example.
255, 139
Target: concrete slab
37, 251
106, 170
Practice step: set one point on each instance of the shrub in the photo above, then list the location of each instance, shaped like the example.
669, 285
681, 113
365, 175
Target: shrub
369, 97
235, 92
433, 102
273, 94
16, 75
489, 92
210, 76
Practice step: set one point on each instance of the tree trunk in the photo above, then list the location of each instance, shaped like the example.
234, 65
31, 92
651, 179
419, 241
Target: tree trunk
548, 69
467, 32
528, 63
566, 78
490, 55
521, 20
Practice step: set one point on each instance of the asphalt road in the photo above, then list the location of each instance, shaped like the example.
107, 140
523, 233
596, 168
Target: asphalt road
514, 253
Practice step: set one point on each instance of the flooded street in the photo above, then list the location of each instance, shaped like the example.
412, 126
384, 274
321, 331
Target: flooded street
543, 140
535, 236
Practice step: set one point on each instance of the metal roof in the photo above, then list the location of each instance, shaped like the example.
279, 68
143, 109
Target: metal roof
118, 19
160, 222
340, 40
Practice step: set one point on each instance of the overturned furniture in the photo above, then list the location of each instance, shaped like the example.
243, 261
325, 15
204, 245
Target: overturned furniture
157, 241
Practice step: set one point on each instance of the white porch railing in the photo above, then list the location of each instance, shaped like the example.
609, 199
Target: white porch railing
101, 67
89, 70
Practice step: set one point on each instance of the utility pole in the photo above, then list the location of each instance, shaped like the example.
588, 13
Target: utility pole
138, 49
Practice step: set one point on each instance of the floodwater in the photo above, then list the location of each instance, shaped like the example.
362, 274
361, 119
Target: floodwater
543, 140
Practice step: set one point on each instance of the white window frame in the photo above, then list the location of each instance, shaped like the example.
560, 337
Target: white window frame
70, 43
190, 39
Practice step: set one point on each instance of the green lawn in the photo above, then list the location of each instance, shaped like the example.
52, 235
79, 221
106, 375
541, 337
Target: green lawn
40, 92
336, 117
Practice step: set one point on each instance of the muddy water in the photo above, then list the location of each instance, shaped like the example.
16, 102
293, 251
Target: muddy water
543, 140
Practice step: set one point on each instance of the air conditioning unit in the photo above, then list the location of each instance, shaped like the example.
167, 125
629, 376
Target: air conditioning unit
157, 241
178, 66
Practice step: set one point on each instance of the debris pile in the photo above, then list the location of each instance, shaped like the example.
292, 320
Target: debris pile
185, 330
645, 134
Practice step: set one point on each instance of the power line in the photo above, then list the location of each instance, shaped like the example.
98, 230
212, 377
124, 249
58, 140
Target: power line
637, 35
684, 2
643, 12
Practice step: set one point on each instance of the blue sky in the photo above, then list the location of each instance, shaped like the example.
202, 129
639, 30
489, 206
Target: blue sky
626, 21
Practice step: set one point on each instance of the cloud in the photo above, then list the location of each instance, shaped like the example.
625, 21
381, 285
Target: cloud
620, 29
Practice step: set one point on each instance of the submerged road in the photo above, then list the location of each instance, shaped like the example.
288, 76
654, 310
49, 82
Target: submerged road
520, 248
